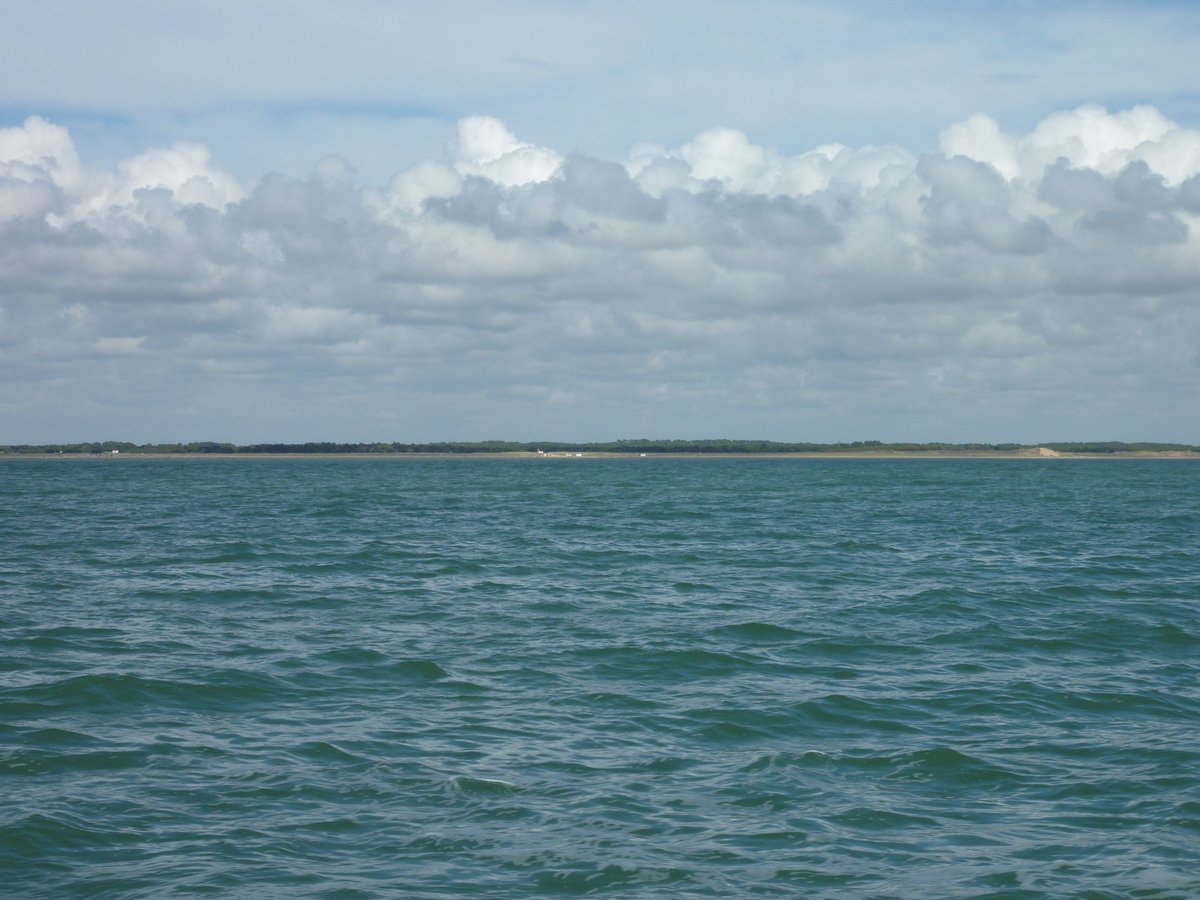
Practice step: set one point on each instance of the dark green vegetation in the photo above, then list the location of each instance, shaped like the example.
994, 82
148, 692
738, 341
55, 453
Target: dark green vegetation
635, 446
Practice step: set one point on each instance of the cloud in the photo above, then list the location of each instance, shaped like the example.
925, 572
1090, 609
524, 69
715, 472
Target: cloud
1087, 138
1006, 286
119, 344
485, 147
39, 151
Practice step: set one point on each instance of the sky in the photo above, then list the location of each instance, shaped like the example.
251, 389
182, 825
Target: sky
571, 220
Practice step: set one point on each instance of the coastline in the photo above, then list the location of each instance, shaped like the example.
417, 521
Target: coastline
1035, 453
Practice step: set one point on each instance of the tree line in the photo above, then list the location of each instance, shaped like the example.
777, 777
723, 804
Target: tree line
625, 446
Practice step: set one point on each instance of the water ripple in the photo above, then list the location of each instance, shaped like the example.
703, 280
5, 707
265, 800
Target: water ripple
647, 678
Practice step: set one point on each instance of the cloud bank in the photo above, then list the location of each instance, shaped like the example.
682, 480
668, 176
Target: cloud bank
1005, 287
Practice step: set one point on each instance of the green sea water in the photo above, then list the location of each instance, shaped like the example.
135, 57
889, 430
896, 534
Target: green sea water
623, 678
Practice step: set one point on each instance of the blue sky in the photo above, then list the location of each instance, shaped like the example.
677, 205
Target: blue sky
595, 220
275, 86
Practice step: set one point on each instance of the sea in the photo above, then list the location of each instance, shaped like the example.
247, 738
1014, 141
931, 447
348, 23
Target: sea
627, 678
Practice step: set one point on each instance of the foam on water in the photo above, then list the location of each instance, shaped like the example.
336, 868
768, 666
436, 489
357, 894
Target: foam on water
637, 678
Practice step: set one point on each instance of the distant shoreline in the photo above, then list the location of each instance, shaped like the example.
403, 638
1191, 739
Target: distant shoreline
709, 448
1031, 454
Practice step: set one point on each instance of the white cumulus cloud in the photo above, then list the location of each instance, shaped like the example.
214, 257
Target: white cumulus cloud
1007, 286
485, 147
